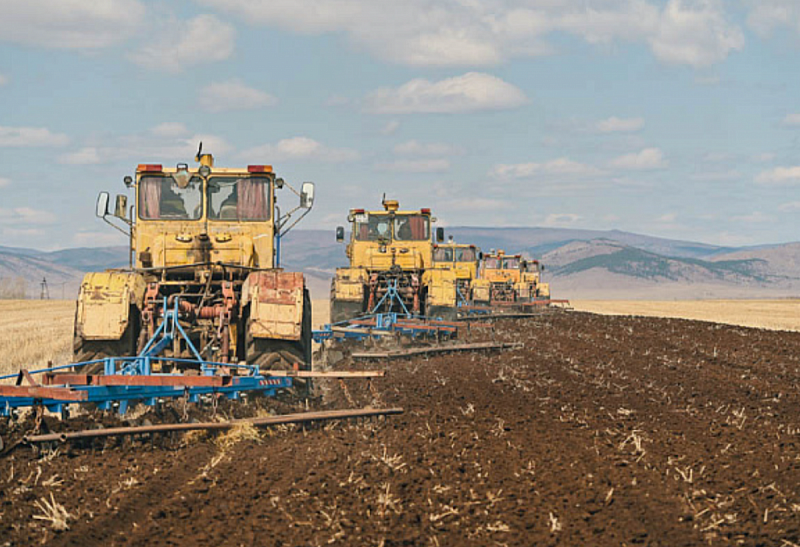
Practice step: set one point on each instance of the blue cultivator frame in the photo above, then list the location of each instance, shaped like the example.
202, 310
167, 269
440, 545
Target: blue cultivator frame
376, 324
128, 379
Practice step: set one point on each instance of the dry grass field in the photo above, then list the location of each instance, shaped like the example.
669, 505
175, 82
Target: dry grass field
33, 332
768, 314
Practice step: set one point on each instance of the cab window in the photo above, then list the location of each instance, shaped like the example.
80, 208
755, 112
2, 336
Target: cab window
442, 254
412, 228
372, 227
491, 263
161, 198
238, 198
511, 264
465, 255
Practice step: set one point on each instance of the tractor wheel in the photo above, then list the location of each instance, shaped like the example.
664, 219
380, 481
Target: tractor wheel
270, 354
90, 350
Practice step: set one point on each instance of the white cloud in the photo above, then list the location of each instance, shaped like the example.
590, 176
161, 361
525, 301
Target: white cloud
180, 45
415, 166
88, 155
3, 80
337, 100
161, 143
668, 217
715, 176
4, 182
30, 136
756, 217
560, 166
70, 24
169, 129
767, 15
300, 148
792, 120
765, 157
780, 176
468, 93
561, 220
25, 216
695, 33
416, 148
390, 128
233, 95
790, 207
647, 159
473, 33
620, 125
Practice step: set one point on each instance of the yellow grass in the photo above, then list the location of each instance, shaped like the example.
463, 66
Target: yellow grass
33, 332
768, 314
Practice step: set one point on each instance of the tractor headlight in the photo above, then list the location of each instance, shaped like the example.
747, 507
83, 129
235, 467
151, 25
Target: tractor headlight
204, 170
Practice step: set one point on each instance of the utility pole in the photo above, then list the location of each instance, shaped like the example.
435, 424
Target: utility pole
44, 294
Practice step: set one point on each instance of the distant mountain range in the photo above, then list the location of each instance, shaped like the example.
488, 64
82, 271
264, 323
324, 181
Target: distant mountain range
579, 263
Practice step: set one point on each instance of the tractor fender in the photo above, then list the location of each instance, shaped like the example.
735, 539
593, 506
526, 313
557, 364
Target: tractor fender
275, 300
104, 304
349, 283
441, 285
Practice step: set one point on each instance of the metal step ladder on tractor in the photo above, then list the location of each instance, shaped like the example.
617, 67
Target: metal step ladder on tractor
127, 380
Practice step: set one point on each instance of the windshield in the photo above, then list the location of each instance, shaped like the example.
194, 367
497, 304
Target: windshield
160, 198
465, 255
372, 227
443, 254
511, 264
235, 198
491, 263
411, 227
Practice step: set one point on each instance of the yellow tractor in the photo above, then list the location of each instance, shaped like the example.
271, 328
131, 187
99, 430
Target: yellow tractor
506, 279
391, 266
205, 241
463, 260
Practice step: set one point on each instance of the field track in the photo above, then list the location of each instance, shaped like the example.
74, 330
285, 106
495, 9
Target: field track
600, 431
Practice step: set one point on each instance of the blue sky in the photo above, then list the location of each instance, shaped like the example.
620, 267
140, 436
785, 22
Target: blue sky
674, 118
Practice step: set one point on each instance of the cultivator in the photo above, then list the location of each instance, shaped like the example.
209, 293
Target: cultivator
126, 380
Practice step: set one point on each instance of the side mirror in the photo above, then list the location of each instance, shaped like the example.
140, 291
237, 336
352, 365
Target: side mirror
121, 206
480, 255
101, 210
339, 234
128, 180
541, 267
439, 234
307, 195
524, 264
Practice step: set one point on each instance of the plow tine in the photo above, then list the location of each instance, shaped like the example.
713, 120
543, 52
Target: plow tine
480, 346
299, 418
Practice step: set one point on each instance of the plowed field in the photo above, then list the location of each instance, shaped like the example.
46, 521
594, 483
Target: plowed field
600, 431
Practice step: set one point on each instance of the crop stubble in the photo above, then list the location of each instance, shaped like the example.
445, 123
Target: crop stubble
601, 431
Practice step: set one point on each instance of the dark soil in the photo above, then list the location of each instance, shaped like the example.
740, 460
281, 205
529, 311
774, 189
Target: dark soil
600, 431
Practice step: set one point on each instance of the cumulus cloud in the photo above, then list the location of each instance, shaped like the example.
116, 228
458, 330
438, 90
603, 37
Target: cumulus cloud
779, 176
468, 93
25, 216
460, 33
620, 125
180, 45
789, 207
560, 166
31, 136
88, 155
169, 142
792, 120
300, 148
647, 159
767, 15
390, 128
415, 166
70, 24
695, 33
169, 129
416, 148
233, 95
561, 220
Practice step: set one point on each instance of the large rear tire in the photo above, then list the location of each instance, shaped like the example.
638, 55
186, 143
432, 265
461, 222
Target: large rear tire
271, 354
90, 350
